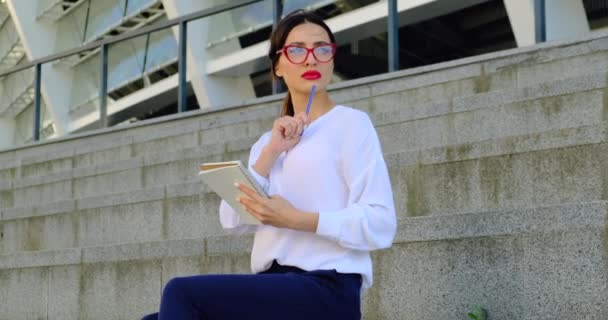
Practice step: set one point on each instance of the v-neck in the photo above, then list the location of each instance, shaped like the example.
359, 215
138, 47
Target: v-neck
321, 117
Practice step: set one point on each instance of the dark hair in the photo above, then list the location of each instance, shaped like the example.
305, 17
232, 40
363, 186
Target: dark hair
278, 38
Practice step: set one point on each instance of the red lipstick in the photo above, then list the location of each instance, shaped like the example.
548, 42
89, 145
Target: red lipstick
311, 75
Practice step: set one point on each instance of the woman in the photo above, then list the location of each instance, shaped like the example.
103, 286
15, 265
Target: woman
331, 201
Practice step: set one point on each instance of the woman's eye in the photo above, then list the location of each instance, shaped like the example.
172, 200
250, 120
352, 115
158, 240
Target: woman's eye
323, 49
295, 50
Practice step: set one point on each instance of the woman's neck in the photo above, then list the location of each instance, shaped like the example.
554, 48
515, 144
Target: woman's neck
321, 103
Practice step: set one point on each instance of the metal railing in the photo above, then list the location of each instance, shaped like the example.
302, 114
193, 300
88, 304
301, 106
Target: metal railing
182, 23
104, 45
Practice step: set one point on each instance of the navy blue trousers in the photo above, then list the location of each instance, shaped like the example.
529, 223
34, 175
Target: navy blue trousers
281, 292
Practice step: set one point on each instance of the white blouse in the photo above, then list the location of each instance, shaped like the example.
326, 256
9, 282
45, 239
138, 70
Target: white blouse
337, 169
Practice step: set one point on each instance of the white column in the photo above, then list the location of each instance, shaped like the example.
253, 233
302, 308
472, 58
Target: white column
565, 19
521, 16
39, 37
7, 132
210, 91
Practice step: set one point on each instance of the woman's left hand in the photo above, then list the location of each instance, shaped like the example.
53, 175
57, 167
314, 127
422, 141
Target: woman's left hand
275, 211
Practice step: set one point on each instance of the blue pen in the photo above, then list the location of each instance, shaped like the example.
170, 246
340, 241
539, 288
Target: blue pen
312, 93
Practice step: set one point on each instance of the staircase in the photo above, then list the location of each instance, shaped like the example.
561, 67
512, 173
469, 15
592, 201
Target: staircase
499, 166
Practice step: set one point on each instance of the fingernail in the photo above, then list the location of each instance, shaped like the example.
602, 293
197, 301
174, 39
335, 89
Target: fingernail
236, 184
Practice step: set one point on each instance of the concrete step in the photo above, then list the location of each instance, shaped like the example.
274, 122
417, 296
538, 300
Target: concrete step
537, 263
557, 105
560, 104
505, 259
554, 167
143, 139
180, 211
434, 181
420, 90
177, 167
122, 175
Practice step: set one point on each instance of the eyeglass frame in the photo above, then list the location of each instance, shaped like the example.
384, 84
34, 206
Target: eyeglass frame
308, 51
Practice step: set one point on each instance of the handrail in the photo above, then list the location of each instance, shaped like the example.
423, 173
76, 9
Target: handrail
181, 22
104, 44
133, 34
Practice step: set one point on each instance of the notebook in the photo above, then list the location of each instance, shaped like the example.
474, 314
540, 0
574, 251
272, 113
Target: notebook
221, 176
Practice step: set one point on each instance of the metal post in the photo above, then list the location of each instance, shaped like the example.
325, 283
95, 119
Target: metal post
86, 22
124, 13
540, 20
103, 87
37, 100
393, 36
183, 37
277, 12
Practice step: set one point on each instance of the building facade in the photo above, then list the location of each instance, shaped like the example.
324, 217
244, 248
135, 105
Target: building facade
226, 53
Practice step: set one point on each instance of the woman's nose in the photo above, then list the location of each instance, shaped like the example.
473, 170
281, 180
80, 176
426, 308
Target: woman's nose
310, 60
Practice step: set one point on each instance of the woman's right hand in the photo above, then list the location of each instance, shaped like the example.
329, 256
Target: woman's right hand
286, 132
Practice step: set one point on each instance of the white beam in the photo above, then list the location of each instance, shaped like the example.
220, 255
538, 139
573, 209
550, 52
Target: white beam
211, 91
39, 38
521, 17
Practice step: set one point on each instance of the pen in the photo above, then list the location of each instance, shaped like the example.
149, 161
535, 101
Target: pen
312, 93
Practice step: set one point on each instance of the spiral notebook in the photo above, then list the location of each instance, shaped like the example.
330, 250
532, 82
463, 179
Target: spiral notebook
221, 176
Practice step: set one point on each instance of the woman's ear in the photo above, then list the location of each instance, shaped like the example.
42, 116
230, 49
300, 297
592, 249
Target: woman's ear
277, 72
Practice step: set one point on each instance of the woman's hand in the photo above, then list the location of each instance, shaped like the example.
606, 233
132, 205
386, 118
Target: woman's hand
286, 132
276, 211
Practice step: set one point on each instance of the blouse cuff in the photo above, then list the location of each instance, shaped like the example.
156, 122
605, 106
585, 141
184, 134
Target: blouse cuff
330, 225
263, 181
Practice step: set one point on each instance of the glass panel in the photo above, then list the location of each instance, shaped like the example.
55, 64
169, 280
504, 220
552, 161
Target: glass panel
84, 99
24, 125
162, 49
17, 92
47, 127
104, 15
129, 61
245, 20
135, 5
125, 61
289, 6
71, 28
11, 50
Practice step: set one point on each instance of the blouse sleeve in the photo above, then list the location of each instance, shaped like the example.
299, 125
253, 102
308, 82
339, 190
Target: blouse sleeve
368, 222
229, 218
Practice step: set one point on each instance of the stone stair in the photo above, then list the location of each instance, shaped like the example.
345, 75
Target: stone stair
499, 167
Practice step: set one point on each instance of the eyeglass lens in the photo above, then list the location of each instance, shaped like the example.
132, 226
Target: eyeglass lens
322, 53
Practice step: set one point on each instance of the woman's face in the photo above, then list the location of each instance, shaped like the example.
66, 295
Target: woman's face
300, 77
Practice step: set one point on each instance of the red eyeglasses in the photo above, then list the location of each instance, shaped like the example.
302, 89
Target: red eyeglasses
297, 54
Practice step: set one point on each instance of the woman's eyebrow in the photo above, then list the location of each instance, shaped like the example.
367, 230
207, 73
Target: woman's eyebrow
299, 43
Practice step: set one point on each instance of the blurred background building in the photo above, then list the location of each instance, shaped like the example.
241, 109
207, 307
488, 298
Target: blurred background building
227, 52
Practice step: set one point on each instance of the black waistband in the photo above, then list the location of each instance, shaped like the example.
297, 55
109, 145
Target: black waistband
275, 267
